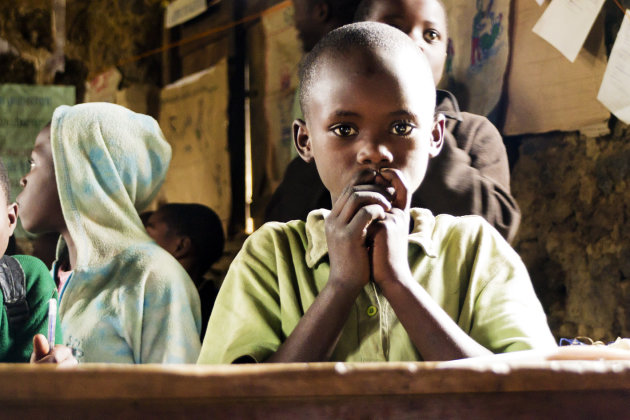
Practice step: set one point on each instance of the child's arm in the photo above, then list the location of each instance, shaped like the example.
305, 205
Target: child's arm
315, 336
433, 332
471, 175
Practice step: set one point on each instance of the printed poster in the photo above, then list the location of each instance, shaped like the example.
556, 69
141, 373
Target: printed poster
193, 117
283, 52
477, 52
24, 111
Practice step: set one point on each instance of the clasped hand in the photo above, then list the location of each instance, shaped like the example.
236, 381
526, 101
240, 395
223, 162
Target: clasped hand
367, 230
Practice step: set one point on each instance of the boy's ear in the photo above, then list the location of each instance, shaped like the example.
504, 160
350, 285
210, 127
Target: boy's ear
12, 210
183, 248
302, 140
437, 135
321, 11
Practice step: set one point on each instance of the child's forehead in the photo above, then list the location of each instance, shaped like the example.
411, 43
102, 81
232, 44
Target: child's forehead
429, 10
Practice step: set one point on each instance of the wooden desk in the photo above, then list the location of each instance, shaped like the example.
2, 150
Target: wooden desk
500, 388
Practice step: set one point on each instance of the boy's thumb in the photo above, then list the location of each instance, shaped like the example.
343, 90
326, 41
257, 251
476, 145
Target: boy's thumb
40, 347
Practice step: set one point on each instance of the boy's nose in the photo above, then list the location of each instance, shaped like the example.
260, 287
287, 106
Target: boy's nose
372, 152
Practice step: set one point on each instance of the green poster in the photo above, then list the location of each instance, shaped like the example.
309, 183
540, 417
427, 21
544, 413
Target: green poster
24, 111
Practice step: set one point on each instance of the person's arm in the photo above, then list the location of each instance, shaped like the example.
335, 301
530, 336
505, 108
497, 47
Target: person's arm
171, 319
316, 334
471, 176
300, 192
435, 335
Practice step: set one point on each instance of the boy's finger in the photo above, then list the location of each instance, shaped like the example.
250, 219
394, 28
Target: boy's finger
365, 216
401, 197
361, 199
64, 356
40, 347
361, 177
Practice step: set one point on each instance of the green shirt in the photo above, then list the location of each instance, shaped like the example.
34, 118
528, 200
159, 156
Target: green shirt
17, 346
462, 262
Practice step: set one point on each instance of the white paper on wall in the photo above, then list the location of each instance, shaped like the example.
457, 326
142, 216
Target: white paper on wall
565, 24
614, 92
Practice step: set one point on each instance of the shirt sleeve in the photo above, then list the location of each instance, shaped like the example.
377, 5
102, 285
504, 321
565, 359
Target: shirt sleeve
471, 175
505, 313
40, 288
246, 320
171, 320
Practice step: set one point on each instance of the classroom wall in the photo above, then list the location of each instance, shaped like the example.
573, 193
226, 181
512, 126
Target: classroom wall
573, 192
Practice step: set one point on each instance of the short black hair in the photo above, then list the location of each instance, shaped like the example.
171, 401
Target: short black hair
199, 223
4, 181
365, 7
342, 11
361, 36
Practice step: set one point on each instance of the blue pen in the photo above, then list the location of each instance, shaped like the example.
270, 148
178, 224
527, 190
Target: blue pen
52, 321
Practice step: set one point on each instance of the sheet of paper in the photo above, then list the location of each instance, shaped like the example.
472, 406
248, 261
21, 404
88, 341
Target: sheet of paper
180, 11
193, 117
545, 92
614, 92
540, 2
566, 24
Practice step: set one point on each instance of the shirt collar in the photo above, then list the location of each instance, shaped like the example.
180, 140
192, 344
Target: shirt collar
446, 104
317, 248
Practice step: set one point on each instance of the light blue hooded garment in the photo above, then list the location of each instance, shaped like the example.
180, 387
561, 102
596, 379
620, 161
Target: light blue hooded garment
128, 300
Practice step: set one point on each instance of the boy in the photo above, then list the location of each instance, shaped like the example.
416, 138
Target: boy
122, 298
26, 313
356, 283
193, 234
471, 174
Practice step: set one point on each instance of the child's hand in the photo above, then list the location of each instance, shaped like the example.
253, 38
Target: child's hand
390, 235
360, 204
61, 355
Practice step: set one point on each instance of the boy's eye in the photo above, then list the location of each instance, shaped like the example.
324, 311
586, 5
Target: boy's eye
344, 130
31, 163
402, 129
431, 35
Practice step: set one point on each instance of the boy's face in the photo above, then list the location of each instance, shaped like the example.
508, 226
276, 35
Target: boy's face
423, 20
159, 231
8, 221
365, 114
40, 208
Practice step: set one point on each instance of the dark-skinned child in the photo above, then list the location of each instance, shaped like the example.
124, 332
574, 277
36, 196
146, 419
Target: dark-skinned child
123, 299
470, 176
193, 234
24, 313
372, 279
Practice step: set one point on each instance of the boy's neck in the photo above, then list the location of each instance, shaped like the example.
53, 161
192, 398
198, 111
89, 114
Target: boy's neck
72, 250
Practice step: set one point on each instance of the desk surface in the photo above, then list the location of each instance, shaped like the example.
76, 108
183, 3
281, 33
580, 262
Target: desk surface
525, 386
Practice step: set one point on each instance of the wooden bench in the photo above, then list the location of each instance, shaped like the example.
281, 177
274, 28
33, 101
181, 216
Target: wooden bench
525, 386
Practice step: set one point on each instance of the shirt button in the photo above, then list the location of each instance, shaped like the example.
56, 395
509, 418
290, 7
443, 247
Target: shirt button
371, 310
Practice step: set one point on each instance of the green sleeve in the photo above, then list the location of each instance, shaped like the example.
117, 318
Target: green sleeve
507, 314
246, 318
40, 287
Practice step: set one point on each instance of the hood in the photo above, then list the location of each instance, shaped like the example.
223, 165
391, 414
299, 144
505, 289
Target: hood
110, 163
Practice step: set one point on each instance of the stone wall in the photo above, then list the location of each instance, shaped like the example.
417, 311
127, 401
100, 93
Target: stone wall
99, 33
573, 192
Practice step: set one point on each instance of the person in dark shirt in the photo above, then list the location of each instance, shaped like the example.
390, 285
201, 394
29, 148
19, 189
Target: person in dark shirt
470, 175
